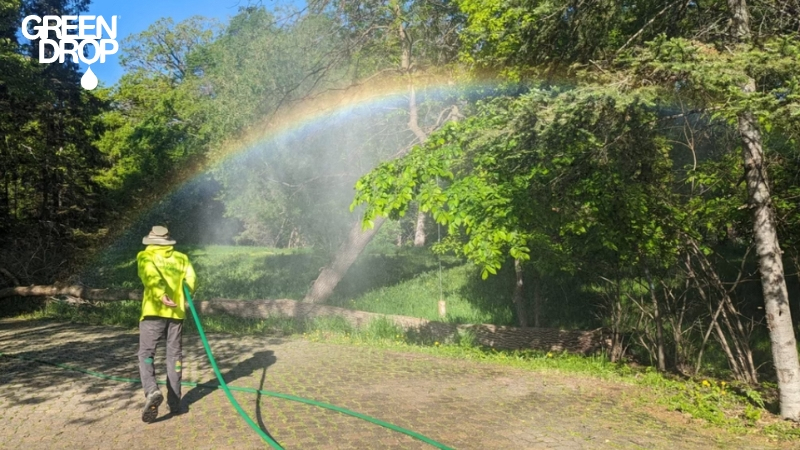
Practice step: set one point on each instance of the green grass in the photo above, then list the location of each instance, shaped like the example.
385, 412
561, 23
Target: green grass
419, 297
401, 281
223, 271
120, 314
260, 272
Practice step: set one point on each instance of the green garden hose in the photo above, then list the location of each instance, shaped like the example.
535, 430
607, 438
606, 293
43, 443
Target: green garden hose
221, 380
224, 386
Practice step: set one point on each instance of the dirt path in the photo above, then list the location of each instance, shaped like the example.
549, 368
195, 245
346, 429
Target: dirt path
463, 404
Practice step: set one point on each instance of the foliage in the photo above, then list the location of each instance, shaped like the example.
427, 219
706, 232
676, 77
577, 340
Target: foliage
380, 32
549, 37
167, 49
507, 189
155, 129
257, 65
48, 198
193, 88
279, 187
585, 174
47, 124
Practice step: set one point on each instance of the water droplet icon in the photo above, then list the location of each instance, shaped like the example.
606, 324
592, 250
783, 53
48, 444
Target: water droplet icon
89, 80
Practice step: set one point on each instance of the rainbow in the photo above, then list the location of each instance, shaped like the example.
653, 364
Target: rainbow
304, 117
320, 107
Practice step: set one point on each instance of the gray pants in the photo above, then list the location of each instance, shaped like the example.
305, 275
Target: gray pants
150, 331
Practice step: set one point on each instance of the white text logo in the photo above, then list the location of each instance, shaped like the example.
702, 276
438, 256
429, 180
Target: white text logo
76, 36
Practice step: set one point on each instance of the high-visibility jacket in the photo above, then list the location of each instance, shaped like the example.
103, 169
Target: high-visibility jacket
163, 271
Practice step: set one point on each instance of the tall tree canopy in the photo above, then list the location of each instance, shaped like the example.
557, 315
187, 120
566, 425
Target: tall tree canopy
48, 159
586, 169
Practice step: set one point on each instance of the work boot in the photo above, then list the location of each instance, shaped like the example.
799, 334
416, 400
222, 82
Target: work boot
174, 406
151, 405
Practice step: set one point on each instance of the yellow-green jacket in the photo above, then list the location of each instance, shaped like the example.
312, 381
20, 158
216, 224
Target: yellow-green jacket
163, 271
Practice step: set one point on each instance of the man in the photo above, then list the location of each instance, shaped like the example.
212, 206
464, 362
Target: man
163, 272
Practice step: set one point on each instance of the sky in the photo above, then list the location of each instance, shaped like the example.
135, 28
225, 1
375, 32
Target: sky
134, 16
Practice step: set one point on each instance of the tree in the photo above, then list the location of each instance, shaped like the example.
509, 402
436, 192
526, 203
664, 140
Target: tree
166, 48
679, 50
411, 35
532, 176
155, 132
572, 28
189, 93
47, 157
47, 125
720, 74
773, 282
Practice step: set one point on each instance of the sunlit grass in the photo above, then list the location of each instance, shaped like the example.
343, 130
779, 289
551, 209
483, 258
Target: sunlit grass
404, 282
466, 301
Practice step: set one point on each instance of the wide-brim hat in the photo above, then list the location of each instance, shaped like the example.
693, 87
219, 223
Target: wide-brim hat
158, 236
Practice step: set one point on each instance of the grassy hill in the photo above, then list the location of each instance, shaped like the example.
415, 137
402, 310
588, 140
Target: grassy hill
402, 281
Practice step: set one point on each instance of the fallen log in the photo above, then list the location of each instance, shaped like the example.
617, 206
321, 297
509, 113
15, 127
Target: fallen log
106, 295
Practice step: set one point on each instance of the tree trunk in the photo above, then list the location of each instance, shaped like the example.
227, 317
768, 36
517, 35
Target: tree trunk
357, 240
331, 275
413, 125
615, 297
518, 298
736, 368
537, 300
770, 264
675, 313
741, 361
413, 115
744, 356
660, 358
419, 231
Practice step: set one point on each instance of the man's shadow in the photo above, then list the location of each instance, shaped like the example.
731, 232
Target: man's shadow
260, 361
